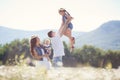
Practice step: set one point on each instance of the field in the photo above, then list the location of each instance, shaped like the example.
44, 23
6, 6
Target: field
40, 73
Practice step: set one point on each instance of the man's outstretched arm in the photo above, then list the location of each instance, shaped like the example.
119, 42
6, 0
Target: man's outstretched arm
60, 31
63, 28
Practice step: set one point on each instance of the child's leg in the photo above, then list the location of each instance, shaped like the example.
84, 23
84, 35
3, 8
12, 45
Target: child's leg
68, 34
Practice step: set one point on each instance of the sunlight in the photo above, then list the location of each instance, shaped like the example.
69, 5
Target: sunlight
43, 14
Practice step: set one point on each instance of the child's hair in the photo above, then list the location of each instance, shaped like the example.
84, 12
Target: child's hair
46, 40
50, 34
63, 10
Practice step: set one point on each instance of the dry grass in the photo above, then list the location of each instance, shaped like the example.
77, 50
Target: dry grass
40, 73
22, 73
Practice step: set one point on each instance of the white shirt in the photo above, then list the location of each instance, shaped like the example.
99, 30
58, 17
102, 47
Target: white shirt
45, 63
57, 46
44, 58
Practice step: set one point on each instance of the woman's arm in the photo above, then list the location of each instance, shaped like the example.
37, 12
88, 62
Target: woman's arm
38, 57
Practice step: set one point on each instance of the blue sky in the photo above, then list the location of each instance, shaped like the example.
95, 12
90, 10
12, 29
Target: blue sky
43, 14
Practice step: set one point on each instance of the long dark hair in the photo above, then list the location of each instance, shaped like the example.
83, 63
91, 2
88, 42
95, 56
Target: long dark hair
33, 42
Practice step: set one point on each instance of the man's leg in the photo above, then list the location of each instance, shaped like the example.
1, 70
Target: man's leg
54, 61
57, 61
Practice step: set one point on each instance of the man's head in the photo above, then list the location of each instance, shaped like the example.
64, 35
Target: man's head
51, 34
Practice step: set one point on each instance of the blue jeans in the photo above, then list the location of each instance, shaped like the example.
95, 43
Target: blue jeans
57, 61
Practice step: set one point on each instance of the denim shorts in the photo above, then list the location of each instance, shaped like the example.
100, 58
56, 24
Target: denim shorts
70, 25
57, 61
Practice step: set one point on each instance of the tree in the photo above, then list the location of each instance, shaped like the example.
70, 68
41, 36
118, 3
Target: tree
16, 47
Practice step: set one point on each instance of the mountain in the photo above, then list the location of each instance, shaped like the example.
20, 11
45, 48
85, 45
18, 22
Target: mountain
107, 36
7, 34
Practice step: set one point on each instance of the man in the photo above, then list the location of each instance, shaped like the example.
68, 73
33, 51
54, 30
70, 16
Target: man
58, 48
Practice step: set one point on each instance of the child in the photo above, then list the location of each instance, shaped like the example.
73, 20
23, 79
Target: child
66, 18
58, 48
47, 47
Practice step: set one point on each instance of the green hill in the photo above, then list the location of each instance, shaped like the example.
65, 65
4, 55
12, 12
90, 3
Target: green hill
107, 36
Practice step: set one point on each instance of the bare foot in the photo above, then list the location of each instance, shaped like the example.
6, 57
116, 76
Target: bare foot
73, 40
72, 48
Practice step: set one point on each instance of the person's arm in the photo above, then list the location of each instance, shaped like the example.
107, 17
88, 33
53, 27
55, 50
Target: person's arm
69, 18
49, 51
64, 24
36, 56
60, 31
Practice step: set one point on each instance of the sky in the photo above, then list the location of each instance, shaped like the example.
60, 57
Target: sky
43, 14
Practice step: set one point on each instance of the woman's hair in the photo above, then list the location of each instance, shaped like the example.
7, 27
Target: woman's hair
33, 42
63, 10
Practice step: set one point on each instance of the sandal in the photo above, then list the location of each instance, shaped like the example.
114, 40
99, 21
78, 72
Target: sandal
73, 39
72, 48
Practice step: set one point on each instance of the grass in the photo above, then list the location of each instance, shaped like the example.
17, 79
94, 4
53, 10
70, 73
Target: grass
40, 73
22, 73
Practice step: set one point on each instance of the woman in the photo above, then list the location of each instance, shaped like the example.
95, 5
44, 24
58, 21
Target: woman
68, 32
37, 51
